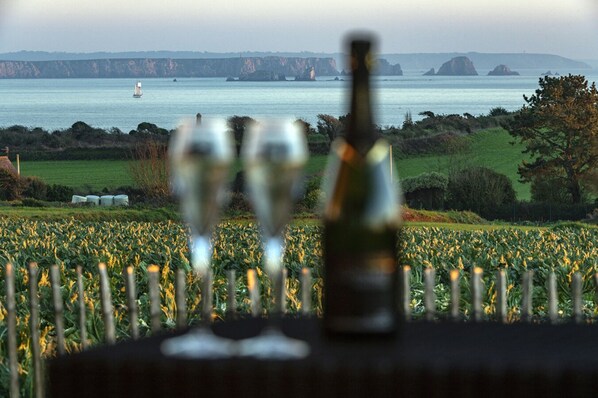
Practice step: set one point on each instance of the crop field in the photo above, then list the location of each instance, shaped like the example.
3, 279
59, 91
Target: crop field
69, 243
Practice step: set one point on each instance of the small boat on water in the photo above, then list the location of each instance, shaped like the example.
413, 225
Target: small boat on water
137, 93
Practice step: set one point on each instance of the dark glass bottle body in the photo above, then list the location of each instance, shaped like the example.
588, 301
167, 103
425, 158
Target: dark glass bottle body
361, 221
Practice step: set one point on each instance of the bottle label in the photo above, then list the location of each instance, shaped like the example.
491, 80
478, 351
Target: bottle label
360, 293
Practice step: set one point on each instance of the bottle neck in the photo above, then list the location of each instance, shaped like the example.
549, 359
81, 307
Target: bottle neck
361, 133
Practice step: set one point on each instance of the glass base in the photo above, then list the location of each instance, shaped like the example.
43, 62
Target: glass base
273, 344
200, 343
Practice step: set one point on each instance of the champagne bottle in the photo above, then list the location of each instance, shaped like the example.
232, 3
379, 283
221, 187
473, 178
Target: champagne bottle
361, 221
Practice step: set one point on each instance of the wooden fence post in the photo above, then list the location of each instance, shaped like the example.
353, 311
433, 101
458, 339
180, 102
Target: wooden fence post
306, 291
526, 296
455, 294
106, 299
552, 298
501, 296
58, 308
476, 294
254, 293
429, 296
81, 304
11, 309
231, 299
576, 290
180, 297
154, 297
34, 330
283, 291
207, 295
405, 292
132, 308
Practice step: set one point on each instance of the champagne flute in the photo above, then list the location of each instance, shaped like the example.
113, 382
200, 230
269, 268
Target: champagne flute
274, 153
200, 157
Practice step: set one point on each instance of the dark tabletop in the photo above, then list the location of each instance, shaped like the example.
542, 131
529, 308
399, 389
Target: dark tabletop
424, 360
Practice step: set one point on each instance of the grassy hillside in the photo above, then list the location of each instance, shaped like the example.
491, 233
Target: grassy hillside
489, 148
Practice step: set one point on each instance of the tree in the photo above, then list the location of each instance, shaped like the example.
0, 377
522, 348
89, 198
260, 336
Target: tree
150, 171
329, 126
238, 125
559, 128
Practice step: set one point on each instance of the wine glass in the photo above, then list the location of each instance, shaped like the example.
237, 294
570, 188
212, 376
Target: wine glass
274, 153
200, 157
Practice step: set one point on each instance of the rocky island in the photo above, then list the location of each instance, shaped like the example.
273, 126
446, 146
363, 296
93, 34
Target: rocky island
262, 76
383, 68
502, 70
458, 66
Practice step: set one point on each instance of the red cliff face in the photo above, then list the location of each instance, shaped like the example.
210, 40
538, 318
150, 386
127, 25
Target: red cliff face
165, 67
18, 69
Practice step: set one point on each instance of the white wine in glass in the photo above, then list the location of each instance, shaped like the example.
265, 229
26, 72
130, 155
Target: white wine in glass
200, 158
274, 153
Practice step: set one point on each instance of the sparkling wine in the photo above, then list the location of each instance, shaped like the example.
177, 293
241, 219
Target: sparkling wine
274, 174
361, 221
200, 161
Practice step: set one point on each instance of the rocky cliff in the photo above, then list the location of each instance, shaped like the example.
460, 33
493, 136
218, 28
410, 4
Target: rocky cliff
458, 66
165, 67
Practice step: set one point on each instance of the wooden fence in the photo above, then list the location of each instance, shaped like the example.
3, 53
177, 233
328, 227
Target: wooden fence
405, 305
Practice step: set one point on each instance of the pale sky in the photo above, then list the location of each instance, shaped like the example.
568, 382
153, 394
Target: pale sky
563, 27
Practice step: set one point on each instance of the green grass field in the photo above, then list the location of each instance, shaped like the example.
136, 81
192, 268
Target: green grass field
81, 174
489, 148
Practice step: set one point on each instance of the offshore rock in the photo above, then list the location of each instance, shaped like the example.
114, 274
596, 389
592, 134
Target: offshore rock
165, 67
309, 74
431, 72
458, 66
262, 76
502, 70
384, 68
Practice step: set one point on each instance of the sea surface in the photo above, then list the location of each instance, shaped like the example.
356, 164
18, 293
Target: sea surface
55, 104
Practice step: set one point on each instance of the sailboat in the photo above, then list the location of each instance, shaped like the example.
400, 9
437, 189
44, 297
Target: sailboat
137, 93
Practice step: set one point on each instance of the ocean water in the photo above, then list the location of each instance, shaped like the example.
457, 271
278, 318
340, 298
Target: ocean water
55, 104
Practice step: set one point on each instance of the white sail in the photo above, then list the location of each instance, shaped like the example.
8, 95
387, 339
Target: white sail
137, 93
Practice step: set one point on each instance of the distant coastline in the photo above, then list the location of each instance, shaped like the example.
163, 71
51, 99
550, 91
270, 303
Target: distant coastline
423, 61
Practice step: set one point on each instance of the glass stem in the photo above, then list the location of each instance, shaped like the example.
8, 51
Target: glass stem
274, 251
201, 256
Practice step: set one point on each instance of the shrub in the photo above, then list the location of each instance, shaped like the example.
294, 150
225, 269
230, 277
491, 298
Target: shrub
34, 188
238, 204
432, 180
541, 211
498, 111
59, 193
425, 191
312, 200
31, 202
10, 185
479, 189
442, 143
